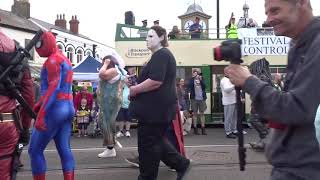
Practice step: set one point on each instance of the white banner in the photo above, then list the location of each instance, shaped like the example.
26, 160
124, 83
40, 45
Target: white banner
261, 41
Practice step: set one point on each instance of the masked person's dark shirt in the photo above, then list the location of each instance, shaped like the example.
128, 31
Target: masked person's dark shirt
157, 106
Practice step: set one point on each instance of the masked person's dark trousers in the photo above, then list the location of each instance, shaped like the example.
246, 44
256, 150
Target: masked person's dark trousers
153, 148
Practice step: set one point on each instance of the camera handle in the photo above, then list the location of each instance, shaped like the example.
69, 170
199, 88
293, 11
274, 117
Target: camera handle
241, 148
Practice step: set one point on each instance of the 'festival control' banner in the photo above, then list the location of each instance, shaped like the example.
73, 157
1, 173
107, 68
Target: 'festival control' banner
262, 41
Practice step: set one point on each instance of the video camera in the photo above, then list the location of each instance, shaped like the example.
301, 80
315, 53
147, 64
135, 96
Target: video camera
229, 50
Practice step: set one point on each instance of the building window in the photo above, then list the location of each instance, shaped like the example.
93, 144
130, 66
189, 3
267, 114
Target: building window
60, 47
88, 53
70, 53
79, 55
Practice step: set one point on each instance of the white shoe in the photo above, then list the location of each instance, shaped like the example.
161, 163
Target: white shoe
133, 161
243, 132
127, 134
108, 153
184, 132
119, 134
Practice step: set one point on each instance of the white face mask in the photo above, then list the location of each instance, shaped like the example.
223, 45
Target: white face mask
153, 40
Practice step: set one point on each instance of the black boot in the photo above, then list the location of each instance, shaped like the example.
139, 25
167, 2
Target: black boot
195, 131
203, 131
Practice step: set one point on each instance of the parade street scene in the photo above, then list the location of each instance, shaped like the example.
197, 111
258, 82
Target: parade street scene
214, 156
168, 90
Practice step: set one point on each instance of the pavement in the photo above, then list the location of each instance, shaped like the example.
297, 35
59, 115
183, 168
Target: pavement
214, 156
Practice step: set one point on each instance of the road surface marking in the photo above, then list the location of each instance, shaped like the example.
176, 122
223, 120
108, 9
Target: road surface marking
135, 147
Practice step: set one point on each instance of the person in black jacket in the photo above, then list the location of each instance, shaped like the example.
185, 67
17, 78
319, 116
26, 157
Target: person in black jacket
198, 97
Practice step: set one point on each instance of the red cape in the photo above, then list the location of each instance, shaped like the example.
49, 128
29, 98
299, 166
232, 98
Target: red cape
178, 131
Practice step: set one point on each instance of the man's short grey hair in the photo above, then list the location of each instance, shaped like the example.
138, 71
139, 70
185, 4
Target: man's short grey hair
295, 1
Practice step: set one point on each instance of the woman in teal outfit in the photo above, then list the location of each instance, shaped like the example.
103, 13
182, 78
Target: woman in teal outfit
110, 98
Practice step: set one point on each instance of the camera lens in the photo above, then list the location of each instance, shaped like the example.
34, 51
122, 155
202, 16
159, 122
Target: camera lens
217, 53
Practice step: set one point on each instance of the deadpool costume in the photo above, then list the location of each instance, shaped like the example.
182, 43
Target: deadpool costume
9, 113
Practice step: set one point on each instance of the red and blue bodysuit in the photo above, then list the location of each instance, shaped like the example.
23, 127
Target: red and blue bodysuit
55, 110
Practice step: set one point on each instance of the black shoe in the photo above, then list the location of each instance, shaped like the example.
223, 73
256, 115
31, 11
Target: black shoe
196, 131
203, 130
181, 175
133, 161
20, 165
231, 136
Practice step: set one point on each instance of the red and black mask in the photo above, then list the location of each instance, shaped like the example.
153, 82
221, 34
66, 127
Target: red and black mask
7, 49
47, 45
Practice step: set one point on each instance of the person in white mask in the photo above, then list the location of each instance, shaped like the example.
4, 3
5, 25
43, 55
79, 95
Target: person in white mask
153, 103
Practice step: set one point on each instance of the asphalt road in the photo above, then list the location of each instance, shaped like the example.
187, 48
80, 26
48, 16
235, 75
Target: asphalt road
214, 158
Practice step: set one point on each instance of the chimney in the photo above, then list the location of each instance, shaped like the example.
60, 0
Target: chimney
74, 25
21, 8
61, 21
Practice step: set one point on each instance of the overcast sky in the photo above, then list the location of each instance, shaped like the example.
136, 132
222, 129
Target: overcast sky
98, 18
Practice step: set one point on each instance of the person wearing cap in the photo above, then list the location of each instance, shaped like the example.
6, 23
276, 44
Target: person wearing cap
195, 29
232, 29
156, 23
144, 23
143, 32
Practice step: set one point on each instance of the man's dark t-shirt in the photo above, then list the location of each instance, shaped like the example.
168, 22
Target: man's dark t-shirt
193, 27
157, 106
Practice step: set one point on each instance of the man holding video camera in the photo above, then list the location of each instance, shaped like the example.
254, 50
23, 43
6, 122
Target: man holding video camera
292, 148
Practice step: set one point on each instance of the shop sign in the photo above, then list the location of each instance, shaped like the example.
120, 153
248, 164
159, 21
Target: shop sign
138, 53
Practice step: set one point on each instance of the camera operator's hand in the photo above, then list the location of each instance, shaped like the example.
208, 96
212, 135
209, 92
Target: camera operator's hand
237, 74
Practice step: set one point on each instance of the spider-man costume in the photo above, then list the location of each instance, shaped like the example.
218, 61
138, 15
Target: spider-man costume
55, 110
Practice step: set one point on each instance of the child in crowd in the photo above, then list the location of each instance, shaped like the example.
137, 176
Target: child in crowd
123, 118
83, 115
186, 117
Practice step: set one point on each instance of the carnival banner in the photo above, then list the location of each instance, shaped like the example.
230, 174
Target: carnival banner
262, 41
